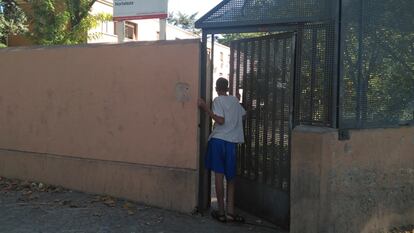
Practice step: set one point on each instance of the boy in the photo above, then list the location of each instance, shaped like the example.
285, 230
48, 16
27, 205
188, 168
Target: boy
221, 152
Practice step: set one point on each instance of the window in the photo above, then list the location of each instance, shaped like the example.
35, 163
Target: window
105, 27
131, 30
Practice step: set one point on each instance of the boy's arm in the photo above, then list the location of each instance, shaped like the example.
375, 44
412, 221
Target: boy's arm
218, 119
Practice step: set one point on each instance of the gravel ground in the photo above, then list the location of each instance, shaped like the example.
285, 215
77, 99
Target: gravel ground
38, 208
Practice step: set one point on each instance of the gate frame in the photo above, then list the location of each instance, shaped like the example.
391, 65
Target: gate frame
291, 98
264, 26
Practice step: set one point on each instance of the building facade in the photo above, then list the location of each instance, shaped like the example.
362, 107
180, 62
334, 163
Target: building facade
149, 30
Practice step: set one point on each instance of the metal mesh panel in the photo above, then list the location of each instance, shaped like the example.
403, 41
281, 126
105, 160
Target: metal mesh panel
262, 70
256, 12
377, 85
315, 67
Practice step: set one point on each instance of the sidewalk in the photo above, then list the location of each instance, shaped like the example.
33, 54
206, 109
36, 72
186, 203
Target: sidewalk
35, 207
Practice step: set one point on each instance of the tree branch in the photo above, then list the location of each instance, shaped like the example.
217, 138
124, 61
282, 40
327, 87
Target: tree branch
85, 12
387, 48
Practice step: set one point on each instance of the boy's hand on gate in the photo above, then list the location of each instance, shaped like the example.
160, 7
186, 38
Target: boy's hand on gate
202, 104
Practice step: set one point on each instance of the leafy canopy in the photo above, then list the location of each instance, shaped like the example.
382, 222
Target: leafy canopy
56, 22
184, 21
12, 20
226, 39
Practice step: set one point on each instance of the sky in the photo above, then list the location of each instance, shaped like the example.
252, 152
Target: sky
192, 6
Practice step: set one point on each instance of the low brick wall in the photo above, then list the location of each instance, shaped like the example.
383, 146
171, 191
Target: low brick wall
361, 185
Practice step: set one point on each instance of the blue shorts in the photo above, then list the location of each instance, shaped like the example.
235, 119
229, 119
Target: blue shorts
221, 157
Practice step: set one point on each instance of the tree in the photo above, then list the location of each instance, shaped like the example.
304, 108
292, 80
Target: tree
12, 20
184, 21
378, 82
226, 39
63, 22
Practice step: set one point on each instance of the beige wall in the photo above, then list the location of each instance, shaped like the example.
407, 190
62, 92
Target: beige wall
103, 103
362, 185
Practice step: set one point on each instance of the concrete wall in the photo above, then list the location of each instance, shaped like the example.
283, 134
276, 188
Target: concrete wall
115, 119
362, 185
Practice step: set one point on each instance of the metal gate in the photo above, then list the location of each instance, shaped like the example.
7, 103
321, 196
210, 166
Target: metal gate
262, 71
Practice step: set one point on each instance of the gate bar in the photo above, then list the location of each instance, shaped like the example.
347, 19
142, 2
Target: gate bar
266, 109
204, 186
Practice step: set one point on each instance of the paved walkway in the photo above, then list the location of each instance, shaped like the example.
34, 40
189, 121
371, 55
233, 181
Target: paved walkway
37, 208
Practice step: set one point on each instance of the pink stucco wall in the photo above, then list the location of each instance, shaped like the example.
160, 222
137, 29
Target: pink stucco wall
107, 102
120, 120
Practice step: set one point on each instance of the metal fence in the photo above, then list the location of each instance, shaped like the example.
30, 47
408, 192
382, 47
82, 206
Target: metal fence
377, 73
262, 69
352, 66
354, 59
315, 65
260, 12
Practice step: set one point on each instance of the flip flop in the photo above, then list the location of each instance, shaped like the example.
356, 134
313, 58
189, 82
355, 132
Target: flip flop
219, 217
235, 218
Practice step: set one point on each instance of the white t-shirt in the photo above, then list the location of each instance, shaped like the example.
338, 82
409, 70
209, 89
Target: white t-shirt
232, 129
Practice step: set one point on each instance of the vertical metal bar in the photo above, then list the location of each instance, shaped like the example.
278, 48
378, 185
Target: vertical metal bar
313, 73
282, 114
274, 111
266, 112
330, 63
360, 67
298, 74
204, 175
235, 90
250, 113
258, 111
244, 88
211, 79
232, 44
233, 50
338, 81
212, 58
291, 107
238, 68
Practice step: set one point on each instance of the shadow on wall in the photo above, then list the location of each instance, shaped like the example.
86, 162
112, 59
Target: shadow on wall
363, 185
374, 201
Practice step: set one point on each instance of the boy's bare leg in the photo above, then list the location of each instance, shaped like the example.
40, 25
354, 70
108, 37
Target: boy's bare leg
220, 191
230, 197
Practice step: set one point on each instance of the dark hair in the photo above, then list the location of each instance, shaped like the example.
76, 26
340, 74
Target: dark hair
222, 84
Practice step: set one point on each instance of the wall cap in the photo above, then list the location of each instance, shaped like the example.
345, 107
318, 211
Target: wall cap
98, 45
313, 129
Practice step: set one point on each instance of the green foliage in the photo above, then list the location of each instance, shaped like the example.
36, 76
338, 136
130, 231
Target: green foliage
184, 21
226, 39
378, 62
57, 22
2, 27
2, 45
12, 20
